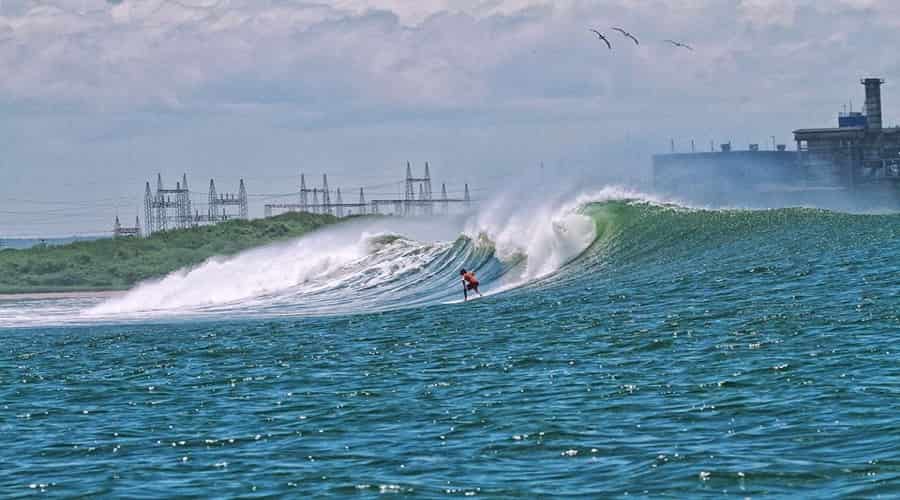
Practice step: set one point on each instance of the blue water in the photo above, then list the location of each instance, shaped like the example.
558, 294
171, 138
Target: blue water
680, 353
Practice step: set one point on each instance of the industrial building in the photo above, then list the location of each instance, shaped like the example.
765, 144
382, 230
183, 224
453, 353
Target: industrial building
860, 154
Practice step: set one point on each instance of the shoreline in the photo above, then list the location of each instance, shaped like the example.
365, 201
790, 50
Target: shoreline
120, 264
8, 297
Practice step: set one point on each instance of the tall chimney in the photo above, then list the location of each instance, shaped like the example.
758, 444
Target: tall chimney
873, 102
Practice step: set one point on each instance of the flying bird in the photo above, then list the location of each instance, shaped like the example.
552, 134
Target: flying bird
679, 44
600, 36
627, 34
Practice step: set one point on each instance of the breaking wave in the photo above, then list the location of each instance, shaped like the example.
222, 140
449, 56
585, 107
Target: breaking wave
382, 264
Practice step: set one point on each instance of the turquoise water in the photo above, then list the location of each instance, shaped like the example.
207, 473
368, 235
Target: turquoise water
629, 350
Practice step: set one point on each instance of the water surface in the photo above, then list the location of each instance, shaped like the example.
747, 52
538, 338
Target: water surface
630, 349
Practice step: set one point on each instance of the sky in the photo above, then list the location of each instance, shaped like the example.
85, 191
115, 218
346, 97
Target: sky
97, 96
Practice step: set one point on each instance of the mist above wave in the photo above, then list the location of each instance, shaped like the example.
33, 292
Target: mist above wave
373, 264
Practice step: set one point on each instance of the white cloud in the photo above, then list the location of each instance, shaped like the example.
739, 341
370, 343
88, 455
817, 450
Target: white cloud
212, 86
428, 54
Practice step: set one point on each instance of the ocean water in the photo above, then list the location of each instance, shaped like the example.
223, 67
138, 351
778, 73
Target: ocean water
624, 348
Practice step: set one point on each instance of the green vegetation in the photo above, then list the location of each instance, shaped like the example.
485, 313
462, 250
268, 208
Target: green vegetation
117, 264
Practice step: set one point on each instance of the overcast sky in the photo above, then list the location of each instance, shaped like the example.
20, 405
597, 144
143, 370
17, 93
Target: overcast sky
96, 96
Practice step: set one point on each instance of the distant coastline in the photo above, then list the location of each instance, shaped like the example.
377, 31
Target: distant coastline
110, 265
26, 243
60, 295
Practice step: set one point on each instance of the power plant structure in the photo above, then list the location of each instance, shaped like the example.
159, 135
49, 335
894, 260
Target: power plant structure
120, 231
418, 199
860, 154
166, 209
318, 201
859, 151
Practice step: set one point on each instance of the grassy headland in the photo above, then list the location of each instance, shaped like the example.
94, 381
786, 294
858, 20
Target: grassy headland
117, 264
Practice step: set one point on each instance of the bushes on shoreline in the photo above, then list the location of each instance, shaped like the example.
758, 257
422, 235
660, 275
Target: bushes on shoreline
118, 264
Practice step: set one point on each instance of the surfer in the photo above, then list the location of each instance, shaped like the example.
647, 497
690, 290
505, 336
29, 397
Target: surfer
470, 282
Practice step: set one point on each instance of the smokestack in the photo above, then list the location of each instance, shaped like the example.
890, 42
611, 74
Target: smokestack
873, 102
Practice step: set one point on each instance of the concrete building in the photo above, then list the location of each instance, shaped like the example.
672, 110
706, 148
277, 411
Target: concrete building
859, 154
725, 170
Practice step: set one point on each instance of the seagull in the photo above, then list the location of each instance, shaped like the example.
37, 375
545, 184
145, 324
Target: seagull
627, 34
679, 44
600, 36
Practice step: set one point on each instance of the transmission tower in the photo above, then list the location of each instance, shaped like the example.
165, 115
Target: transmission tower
424, 183
418, 199
148, 211
161, 219
427, 182
212, 214
158, 206
120, 231
242, 197
304, 194
184, 205
326, 195
219, 203
340, 204
410, 189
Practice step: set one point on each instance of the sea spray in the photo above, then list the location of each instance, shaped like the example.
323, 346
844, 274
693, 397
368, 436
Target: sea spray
385, 264
373, 264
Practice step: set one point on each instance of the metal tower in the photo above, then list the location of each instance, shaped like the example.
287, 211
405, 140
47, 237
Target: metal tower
418, 198
304, 200
173, 209
410, 190
184, 204
120, 231
148, 211
427, 182
213, 197
242, 198
424, 199
157, 206
340, 204
326, 195
160, 219
218, 203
